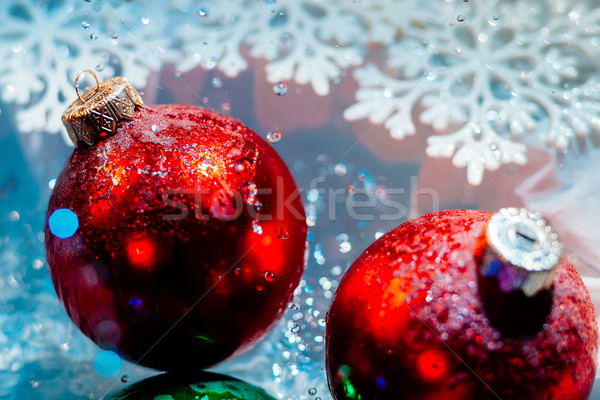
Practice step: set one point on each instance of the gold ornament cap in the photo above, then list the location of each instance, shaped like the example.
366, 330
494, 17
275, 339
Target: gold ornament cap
96, 113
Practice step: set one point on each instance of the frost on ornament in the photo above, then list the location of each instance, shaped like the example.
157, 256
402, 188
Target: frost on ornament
45, 44
487, 75
302, 40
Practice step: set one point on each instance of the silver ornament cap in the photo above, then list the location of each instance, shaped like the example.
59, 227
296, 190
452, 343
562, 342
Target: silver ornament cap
522, 251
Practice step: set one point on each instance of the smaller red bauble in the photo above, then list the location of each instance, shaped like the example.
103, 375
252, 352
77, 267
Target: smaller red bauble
413, 318
191, 237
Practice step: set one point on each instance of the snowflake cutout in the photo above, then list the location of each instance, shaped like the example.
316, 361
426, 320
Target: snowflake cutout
487, 76
304, 40
45, 44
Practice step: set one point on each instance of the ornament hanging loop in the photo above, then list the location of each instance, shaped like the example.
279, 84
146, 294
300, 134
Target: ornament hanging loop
89, 71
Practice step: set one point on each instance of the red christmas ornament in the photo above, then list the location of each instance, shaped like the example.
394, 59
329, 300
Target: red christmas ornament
463, 305
178, 237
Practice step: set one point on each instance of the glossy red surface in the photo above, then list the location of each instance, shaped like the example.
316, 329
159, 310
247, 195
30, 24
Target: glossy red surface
413, 320
179, 260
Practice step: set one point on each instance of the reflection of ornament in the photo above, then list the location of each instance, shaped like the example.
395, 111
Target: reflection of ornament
176, 257
485, 76
191, 386
458, 305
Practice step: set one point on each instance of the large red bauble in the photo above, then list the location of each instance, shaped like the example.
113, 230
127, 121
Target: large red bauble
191, 238
412, 319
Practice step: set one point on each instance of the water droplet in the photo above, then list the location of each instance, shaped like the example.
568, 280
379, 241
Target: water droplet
155, 128
216, 82
125, 378
280, 88
460, 18
296, 328
282, 233
114, 36
239, 168
145, 20
203, 12
85, 25
226, 107
52, 183
256, 227
93, 36
312, 391
100, 67
14, 216
251, 192
269, 276
274, 137
237, 271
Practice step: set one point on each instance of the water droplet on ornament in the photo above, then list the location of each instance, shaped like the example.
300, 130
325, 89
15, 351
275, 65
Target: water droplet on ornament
93, 36
145, 20
100, 67
460, 18
280, 88
312, 391
63, 223
282, 233
216, 82
251, 192
296, 328
237, 271
125, 378
155, 128
269, 276
239, 168
256, 227
274, 137
203, 12
85, 25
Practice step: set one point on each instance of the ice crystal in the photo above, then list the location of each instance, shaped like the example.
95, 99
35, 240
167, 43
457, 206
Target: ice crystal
486, 75
44, 44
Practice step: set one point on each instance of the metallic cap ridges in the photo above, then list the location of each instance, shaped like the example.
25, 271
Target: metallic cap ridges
523, 251
96, 113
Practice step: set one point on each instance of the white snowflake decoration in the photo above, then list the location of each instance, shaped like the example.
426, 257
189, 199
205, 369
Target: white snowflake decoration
44, 44
304, 40
487, 74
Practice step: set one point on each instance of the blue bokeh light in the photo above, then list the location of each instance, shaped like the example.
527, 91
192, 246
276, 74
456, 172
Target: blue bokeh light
63, 223
107, 364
